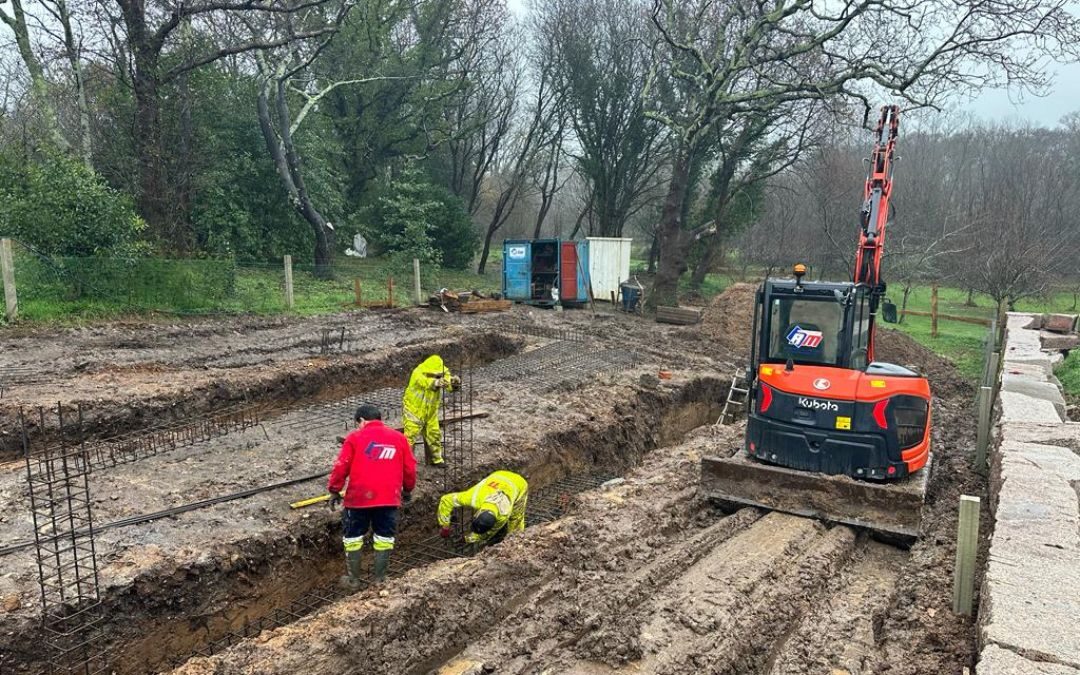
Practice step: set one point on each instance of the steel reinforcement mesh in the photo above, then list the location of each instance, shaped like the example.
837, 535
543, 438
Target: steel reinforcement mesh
60, 505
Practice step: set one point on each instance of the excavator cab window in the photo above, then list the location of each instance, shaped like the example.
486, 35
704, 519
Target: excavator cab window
860, 329
806, 330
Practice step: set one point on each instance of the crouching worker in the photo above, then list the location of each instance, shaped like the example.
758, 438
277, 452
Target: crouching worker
421, 402
381, 471
498, 504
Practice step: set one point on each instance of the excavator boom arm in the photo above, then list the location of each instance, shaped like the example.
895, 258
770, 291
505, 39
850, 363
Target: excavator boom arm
875, 209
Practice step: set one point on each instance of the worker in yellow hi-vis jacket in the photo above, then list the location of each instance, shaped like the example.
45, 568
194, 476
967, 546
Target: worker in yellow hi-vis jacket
420, 405
498, 504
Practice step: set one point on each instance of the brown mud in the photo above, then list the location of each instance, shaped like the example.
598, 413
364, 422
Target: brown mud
644, 575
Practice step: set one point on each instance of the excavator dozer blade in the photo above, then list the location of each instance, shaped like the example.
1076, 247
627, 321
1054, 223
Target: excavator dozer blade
893, 510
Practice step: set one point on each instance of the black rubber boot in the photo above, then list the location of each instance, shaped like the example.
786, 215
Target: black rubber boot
351, 581
382, 561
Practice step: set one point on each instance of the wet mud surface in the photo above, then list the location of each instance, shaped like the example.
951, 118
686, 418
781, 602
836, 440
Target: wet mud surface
644, 575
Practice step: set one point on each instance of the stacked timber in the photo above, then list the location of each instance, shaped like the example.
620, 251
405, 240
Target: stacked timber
682, 316
467, 302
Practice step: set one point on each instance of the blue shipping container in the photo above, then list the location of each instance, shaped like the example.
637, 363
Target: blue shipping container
537, 271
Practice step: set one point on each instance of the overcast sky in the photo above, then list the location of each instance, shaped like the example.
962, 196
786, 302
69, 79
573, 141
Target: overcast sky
997, 104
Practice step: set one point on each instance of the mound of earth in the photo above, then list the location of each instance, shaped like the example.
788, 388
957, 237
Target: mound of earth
728, 317
893, 346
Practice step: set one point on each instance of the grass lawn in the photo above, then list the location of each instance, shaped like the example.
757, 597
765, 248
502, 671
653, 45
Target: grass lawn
179, 288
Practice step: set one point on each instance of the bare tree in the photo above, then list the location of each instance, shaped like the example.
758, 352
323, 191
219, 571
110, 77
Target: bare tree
600, 62
716, 61
531, 143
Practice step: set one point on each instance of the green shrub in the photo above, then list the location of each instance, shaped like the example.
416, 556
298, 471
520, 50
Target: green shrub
60, 207
412, 218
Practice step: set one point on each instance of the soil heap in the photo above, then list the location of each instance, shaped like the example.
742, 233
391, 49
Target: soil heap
727, 318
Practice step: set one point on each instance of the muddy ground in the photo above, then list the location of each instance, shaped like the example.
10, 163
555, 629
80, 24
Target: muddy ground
645, 576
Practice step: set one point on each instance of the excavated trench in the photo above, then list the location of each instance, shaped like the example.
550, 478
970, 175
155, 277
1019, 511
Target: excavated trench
642, 576
169, 613
325, 378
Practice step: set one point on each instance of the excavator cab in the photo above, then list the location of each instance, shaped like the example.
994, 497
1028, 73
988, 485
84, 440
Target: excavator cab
820, 402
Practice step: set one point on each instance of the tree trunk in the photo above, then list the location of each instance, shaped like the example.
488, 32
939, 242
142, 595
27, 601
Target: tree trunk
71, 49
704, 266
674, 243
903, 303
279, 144
152, 198
654, 253
39, 86
488, 236
970, 302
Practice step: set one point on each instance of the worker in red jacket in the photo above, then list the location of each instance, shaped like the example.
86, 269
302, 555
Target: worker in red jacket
381, 472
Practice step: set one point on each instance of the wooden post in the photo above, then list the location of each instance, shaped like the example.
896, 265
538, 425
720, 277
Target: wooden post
288, 282
1002, 323
7, 270
933, 311
967, 548
390, 292
982, 431
416, 281
356, 291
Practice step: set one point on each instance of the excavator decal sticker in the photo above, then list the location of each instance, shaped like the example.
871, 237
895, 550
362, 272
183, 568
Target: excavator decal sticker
799, 338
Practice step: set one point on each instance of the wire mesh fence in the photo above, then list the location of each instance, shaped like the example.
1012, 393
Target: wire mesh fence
52, 287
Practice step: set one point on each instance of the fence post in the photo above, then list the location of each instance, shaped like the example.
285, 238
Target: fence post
288, 282
1002, 322
982, 431
416, 281
967, 547
933, 311
356, 291
7, 269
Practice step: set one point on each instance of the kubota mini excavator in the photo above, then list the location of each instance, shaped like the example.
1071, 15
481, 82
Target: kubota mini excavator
831, 432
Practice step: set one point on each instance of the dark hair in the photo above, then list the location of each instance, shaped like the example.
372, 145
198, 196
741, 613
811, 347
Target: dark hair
367, 411
484, 521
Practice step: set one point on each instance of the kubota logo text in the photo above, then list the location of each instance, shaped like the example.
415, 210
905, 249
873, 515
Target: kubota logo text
815, 404
799, 338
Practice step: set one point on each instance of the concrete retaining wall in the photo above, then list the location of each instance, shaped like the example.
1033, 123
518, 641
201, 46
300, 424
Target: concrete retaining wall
1030, 613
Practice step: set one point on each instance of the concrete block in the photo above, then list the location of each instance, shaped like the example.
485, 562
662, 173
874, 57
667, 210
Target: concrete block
1044, 391
1017, 407
997, 661
1059, 323
1059, 341
1031, 372
1032, 608
1062, 435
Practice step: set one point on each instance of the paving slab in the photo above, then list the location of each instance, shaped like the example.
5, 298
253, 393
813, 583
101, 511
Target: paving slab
1017, 407
1042, 390
997, 661
1030, 609
1059, 323
1059, 341
1032, 372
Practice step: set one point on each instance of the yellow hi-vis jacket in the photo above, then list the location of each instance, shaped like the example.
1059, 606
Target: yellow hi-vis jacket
422, 397
504, 493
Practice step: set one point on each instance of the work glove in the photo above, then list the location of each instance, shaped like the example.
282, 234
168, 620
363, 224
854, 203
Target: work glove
445, 533
439, 384
406, 496
335, 499
455, 381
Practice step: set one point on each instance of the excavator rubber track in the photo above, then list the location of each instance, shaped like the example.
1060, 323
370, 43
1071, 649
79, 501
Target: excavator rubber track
892, 510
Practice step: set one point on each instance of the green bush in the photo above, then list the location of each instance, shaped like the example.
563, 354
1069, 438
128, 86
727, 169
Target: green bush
412, 218
60, 207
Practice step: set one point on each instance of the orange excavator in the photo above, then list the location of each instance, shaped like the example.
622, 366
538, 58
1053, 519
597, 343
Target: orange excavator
832, 433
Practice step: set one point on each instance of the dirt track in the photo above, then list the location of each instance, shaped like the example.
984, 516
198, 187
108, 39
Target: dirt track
644, 576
